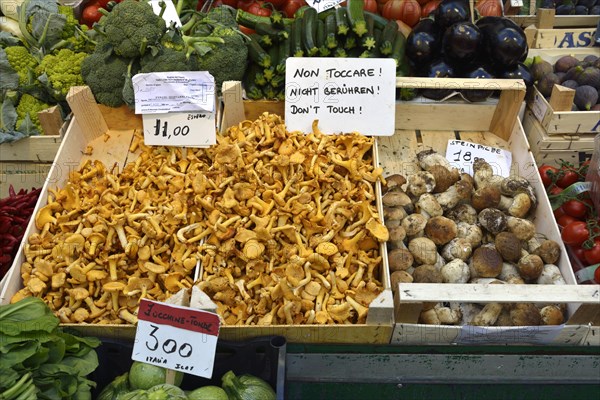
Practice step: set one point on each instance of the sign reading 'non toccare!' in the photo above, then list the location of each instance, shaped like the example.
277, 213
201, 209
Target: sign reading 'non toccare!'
343, 94
176, 337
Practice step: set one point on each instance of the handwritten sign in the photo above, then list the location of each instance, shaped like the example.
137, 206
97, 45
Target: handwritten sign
343, 94
177, 108
462, 154
508, 335
322, 5
177, 338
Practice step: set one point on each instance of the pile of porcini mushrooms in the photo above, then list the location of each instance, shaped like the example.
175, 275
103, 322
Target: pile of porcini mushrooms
283, 225
448, 226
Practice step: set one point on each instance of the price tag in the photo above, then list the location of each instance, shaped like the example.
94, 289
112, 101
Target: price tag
322, 5
177, 107
180, 129
343, 94
462, 154
176, 337
508, 335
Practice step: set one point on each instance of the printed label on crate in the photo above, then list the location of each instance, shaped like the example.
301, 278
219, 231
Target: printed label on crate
539, 108
194, 129
322, 5
569, 39
176, 337
167, 92
343, 94
462, 154
470, 335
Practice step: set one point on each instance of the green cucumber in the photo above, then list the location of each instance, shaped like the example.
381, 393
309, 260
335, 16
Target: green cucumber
380, 22
250, 20
351, 41
398, 51
309, 32
275, 34
367, 41
341, 21
276, 19
296, 49
388, 36
284, 52
340, 52
330, 32
257, 54
356, 16
265, 41
320, 36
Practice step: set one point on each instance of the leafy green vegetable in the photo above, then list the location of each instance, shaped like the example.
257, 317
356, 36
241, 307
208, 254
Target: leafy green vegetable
32, 345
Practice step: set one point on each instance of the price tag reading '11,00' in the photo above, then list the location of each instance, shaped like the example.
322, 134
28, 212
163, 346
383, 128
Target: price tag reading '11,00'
177, 338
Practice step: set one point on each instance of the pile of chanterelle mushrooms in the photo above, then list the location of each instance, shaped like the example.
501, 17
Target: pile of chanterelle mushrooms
283, 225
447, 226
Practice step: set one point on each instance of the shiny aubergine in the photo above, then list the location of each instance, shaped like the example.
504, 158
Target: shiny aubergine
423, 43
461, 44
438, 68
450, 12
520, 71
475, 95
504, 42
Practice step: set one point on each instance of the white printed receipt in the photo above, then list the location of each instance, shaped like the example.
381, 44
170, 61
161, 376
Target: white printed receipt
343, 94
168, 92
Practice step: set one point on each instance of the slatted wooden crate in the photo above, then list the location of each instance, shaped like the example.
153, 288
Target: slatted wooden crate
545, 33
529, 14
425, 126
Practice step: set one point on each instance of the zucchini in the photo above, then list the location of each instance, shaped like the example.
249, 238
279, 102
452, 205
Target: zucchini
388, 36
351, 41
356, 16
264, 40
276, 35
341, 21
309, 32
320, 36
330, 30
276, 19
367, 41
253, 80
270, 92
273, 53
250, 20
257, 54
340, 52
269, 73
284, 52
380, 22
278, 81
398, 51
296, 49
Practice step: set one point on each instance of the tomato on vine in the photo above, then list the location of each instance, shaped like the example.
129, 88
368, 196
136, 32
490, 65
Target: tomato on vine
567, 177
575, 208
547, 173
260, 8
597, 275
592, 255
575, 233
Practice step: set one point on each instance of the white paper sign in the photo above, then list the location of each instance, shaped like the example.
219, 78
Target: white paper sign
322, 5
539, 107
462, 154
344, 94
508, 335
185, 91
180, 129
176, 337
170, 14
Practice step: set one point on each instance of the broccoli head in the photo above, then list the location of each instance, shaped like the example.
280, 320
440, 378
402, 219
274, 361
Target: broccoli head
21, 60
29, 105
105, 74
60, 71
167, 59
226, 61
131, 26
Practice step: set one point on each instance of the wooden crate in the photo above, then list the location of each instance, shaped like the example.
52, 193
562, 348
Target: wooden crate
532, 16
427, 126
545, 33
557, 122
551, 150
91, 126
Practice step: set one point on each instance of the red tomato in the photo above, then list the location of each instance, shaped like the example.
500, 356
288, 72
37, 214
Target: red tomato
102, 3
547, 172
568, 178
592, 256
559, 212
244, 4
259, 8
429, 7
597, 275
91, 14
575, 208
278, 4
575, 233
565, 220
555, 190
579, 253
371, 6
291, 6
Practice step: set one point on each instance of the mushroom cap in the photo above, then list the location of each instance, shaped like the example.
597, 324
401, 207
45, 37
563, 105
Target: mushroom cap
486, 262
525, 314
463, 213
400, 259
455, 271
457, 248
522, 228
414, 224
423, 250
493, 220
394, 182
508, 245
397, 277
530, 267
485, 197
440, 230
520, 206
427, 274
420, 182
444, 177
113, 286
549, 251
394, 212
396, 198
428, 203
327, 249
377, 229
552, 315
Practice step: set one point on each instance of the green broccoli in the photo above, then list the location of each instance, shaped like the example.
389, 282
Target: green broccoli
131, 27
61, 71
167, 59
105, 74
227, 61
29, 105
24, 64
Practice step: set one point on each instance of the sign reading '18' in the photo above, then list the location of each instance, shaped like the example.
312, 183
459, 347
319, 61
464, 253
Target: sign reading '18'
177, 338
